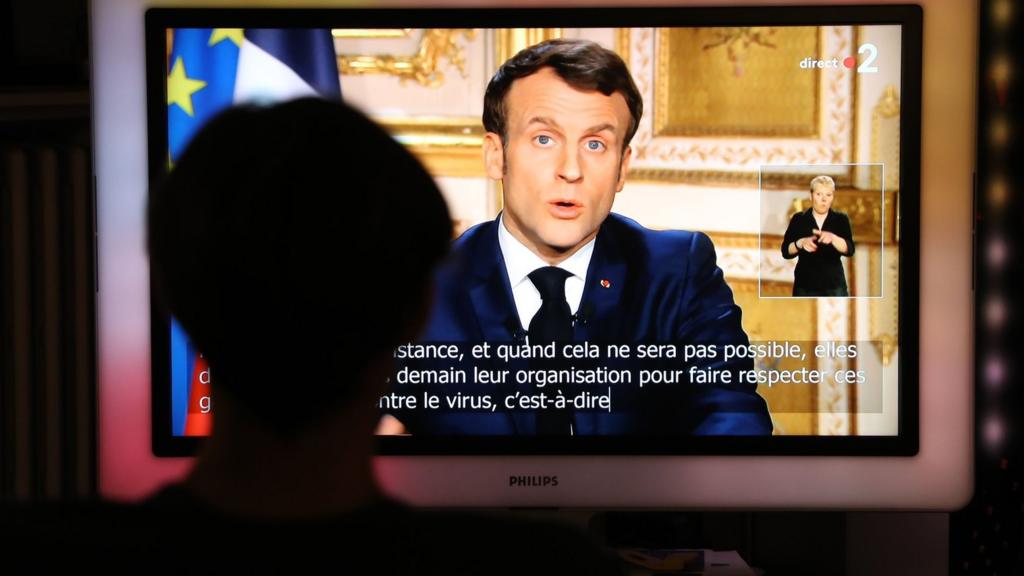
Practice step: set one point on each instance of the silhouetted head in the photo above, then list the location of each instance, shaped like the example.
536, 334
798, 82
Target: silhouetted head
295, 245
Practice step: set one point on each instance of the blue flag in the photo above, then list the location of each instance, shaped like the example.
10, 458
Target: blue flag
210, 69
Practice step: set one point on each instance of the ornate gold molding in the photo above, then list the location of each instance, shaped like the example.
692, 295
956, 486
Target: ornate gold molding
887, 344
855, 108
794, 409
769, 181
789, 180
883, 314
169, 40
446, 146
889, 104
735, 160
371, 32
622, 44
742, 240
449, 146
834, 401
772, 288
436, 131
458, 162
424, 67
696, 177
885, 138
509, 41
737, 42
864, 207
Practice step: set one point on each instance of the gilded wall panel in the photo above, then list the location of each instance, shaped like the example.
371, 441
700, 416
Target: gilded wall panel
690, 138
737, 82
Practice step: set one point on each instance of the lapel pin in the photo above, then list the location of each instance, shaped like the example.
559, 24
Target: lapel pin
606, 284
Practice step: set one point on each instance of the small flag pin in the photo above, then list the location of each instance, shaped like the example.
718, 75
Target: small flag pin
606, 284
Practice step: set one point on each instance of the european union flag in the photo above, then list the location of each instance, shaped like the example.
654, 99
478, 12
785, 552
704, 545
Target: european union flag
210, 69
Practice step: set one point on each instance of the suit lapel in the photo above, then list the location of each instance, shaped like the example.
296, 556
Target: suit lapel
495, 309
491, 293
602, 292
600, 308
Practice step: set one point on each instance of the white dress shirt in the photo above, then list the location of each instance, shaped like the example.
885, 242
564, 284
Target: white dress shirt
520, 261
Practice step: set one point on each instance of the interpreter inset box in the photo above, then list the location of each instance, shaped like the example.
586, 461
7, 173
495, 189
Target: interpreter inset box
823, 230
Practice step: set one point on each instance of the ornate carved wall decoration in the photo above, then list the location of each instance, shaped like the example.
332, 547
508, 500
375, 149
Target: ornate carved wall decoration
738, 41
885, 139
436, 47
834, 400
864, 207
794, 408
371, 32
661, 155
446, 146
698, 91
883, 315
509, 41
739, 257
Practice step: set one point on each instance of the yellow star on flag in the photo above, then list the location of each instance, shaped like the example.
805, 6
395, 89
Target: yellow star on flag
180, 88
236, 35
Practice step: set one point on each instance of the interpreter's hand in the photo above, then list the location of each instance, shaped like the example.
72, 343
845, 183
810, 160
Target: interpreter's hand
391, 426
825, 237
808, 243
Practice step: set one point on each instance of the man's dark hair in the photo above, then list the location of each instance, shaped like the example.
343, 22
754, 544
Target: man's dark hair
583, 64
294, 243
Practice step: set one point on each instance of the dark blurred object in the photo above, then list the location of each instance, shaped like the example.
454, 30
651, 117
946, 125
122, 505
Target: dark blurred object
44, 44
986, 536
47, 231
653, 529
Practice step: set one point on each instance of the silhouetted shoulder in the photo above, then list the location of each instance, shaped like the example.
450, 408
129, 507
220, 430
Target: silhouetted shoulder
174, 533
475, 543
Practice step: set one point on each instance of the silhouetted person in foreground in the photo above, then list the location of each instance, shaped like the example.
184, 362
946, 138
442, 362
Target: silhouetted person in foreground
296, 245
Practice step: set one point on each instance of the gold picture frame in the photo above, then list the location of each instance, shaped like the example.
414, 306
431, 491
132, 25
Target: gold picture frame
736, 82
660, 156
436, 46
447, 146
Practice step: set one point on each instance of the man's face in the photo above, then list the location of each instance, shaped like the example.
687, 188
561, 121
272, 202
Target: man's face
563, 163
821, 198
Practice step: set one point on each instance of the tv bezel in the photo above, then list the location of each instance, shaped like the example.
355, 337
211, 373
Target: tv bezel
909, 17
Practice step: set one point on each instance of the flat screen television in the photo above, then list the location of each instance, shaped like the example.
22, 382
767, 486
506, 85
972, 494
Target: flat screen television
749, 114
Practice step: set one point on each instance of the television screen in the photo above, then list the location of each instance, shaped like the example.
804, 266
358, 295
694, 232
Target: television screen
728, 205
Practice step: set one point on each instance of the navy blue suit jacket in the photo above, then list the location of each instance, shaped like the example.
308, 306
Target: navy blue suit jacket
641, 286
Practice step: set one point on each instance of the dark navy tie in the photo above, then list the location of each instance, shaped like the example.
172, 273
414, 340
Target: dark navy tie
552, 323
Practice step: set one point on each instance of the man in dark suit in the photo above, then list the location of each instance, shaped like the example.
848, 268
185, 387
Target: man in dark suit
557, 266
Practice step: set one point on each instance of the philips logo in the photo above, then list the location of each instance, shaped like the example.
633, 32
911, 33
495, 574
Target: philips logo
533, 481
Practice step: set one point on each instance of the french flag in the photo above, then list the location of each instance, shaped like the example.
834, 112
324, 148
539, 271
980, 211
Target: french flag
210, 69
276, 65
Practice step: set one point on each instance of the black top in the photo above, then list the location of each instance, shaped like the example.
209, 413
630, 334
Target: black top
821, 270
173, 532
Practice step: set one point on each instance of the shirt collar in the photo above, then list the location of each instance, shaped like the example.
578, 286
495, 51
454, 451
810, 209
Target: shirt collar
520, 260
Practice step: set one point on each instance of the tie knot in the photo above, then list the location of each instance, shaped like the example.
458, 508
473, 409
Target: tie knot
550, 282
